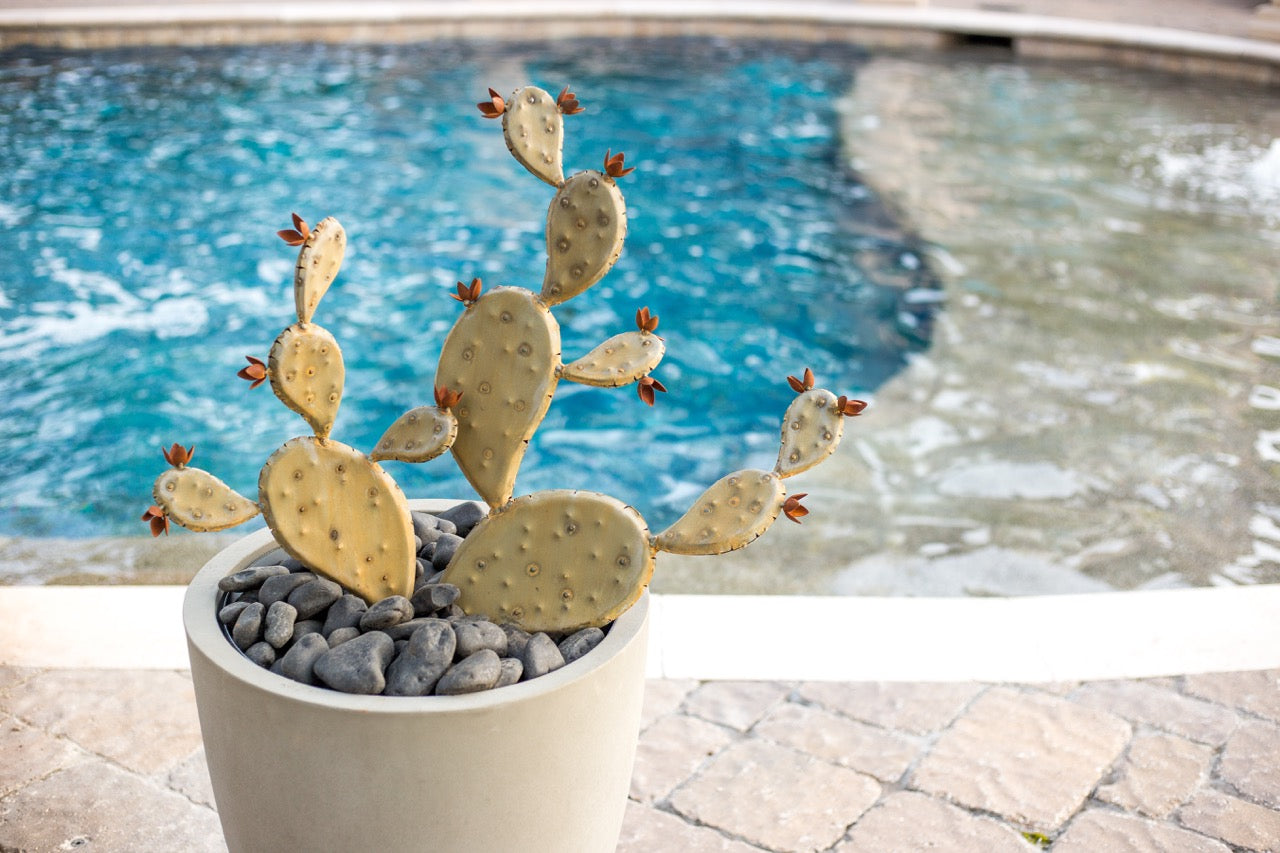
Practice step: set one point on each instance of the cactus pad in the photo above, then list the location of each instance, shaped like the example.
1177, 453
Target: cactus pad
200, 501
554, 561
418, 435
534, 129
728, 516
811, 431
618, 361
341, 515
502, 354
318, 263
306, 371
586, 224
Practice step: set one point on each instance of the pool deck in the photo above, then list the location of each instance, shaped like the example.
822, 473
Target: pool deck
1130, 721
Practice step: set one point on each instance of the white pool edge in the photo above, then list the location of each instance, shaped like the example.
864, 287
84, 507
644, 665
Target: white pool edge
786, 638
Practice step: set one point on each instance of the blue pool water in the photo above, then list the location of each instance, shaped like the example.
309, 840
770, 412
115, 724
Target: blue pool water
140, 193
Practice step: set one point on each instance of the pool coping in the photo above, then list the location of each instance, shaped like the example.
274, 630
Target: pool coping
1048, 638
873, 23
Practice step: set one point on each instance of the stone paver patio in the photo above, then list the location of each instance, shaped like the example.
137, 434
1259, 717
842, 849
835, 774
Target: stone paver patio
110, 760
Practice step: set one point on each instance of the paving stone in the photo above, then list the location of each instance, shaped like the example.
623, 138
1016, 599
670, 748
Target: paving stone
1250, 762
911, 821
776, 797
646, 830
915, 708
1160, 773
882, 754
736, 704
1160, 707
145, 720
1096, 831
1233, 820
11, 676
1028, 757
98, 808
663, 696
29, 754
669, 751
191, 779
1257, 692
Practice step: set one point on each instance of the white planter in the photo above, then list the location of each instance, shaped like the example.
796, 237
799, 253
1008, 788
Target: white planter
543, 765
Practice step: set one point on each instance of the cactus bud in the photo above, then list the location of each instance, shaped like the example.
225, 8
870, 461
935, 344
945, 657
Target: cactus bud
468, 293
298, 234
645, 321
792, 509
849, 408
647, 386
158, 520
177, 456
494, 107
801, 385
613, 165
568, 102
255, 373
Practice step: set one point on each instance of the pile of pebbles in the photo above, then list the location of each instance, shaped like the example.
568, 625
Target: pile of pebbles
302, 626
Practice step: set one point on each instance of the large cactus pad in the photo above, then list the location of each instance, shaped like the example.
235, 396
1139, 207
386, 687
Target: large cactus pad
341, 515
307, 374
534, 131
419, 435
318, 264
502, 354
554, 561
618, 361
811, 431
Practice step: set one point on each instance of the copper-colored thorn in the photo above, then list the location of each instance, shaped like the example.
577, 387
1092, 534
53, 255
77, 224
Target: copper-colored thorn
298, 234
256, 372
447, 398
177, 456
792, 509
647, 386
494, 107
568, 102
849, 408
646, 321
468, 293
801, 385
158, 520
613, 164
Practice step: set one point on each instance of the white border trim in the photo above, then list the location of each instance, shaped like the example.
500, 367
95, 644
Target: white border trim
391, 12
708, 637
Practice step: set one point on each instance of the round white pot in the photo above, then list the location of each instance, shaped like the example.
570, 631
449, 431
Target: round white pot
543, 765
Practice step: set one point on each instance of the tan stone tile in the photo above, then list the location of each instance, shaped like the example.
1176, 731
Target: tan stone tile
1160, 773
1160, 707
776, 797
191, 779
911, 707
882, 754
96, 806
28, 754
647, 830
1028, 757
1057, 688
11, 676
736, 704
144, 720
911, 821
1233, 820
1250, 762
1097, 831
669, 751
663, 696
1257, 692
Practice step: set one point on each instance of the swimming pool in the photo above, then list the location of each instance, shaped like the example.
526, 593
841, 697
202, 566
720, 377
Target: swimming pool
144, 188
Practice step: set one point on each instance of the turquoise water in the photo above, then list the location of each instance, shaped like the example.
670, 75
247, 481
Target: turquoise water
140, 192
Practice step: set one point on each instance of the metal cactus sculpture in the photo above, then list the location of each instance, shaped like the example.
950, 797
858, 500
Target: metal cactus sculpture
555, 560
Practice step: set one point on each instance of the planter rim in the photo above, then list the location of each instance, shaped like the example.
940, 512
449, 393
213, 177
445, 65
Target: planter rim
204, 632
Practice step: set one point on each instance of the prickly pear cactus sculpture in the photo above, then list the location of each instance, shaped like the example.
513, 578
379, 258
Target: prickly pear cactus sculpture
551, 561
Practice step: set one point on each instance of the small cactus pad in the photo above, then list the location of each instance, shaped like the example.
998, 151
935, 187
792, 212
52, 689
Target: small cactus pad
534, 129
728, 516
620, 360
554, 561
586, 224
318, 263
306, 371
418, 435
811, 431
502, 355
341, 515
200, 501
